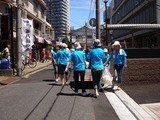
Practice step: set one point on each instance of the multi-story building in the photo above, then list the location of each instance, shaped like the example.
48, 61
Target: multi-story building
58, 15
84, 35
30, 9
36, 11
136, 12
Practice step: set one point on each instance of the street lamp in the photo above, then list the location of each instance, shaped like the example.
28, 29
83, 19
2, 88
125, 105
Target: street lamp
105, 1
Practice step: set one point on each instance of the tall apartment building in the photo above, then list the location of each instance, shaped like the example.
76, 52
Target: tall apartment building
136, 12
58, 15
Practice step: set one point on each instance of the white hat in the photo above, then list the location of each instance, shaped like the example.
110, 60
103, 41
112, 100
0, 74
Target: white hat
105, 50
77, 45
97, 43
64, 45
116, 43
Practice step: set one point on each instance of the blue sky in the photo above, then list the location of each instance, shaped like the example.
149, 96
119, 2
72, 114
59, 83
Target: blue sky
80, 12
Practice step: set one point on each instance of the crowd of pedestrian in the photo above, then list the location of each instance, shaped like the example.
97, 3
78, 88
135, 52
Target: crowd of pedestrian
94, 58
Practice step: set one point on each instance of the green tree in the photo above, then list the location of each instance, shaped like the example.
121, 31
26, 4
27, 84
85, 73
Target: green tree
65, 40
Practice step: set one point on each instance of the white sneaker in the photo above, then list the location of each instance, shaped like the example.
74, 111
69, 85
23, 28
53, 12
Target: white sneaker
57, 80
97, 94
84, 94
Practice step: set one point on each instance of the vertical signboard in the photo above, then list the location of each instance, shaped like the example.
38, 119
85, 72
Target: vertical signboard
27, 34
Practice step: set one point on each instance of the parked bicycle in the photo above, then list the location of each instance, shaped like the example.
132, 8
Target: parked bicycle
32, 63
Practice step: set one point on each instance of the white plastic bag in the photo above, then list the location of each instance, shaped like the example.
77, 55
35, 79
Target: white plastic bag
106, 78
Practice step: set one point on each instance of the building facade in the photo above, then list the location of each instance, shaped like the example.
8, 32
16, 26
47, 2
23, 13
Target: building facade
84, 35
58, 14
34, 10
136, 12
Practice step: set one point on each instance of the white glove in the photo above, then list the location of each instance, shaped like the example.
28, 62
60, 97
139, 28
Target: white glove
125, 65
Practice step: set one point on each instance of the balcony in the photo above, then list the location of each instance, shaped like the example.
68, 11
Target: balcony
37, 32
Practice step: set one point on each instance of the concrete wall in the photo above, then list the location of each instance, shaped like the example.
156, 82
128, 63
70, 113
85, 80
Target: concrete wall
141, 71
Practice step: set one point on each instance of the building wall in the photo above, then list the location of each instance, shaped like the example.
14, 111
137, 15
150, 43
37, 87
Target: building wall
58, 15
136, 12
36, 10
141, 70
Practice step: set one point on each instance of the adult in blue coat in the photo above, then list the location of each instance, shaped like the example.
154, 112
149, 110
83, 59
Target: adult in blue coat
78, 60
120, 61
63, 57
96, 57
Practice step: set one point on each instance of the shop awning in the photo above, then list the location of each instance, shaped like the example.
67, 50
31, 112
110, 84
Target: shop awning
47, 41
39, 39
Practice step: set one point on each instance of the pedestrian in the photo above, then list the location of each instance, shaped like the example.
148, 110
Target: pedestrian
87, 53
120, 61
54, 61
78, 60
43, 55
34, 52
63, 57
106, 57
96, 57
6, 52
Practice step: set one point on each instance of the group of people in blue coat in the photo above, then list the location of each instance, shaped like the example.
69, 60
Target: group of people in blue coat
97, 57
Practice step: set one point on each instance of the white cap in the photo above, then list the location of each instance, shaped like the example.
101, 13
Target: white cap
97, 43
64, 45
116, 43
105, 50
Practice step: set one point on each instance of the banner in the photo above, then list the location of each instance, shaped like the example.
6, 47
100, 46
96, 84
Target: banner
27, 34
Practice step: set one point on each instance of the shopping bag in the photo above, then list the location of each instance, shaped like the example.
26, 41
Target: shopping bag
107, 78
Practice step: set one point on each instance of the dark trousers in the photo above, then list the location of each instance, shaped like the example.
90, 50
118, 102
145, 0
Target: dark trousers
96, 76
76, 78
118, 69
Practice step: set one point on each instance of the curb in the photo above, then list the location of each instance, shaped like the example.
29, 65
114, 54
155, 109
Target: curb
134, 108
36, 69
13, 79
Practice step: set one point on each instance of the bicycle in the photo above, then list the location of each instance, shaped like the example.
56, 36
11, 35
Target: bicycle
31, 62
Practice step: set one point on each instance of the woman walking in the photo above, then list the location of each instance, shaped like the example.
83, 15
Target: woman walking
96, 57
120, 61
78, 59
63, 56
54, 61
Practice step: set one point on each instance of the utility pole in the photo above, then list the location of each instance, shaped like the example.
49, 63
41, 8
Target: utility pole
11, 33
98, 36
107, 31
19, 42
86, 33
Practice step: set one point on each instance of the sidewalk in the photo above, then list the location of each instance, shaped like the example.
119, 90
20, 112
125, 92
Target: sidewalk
5, 80
126, 107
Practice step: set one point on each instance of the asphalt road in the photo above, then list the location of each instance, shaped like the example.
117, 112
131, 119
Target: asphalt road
38, 97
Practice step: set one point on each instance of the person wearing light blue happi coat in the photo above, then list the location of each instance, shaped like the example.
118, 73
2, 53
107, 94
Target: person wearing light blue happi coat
96, 57
54, 60
78, 60
120, 61
63, 57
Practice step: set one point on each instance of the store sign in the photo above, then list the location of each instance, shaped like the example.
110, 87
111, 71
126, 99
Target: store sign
43, 29
27, 34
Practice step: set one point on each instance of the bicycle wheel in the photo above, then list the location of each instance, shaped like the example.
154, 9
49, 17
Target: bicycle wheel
23, 66
32, 63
